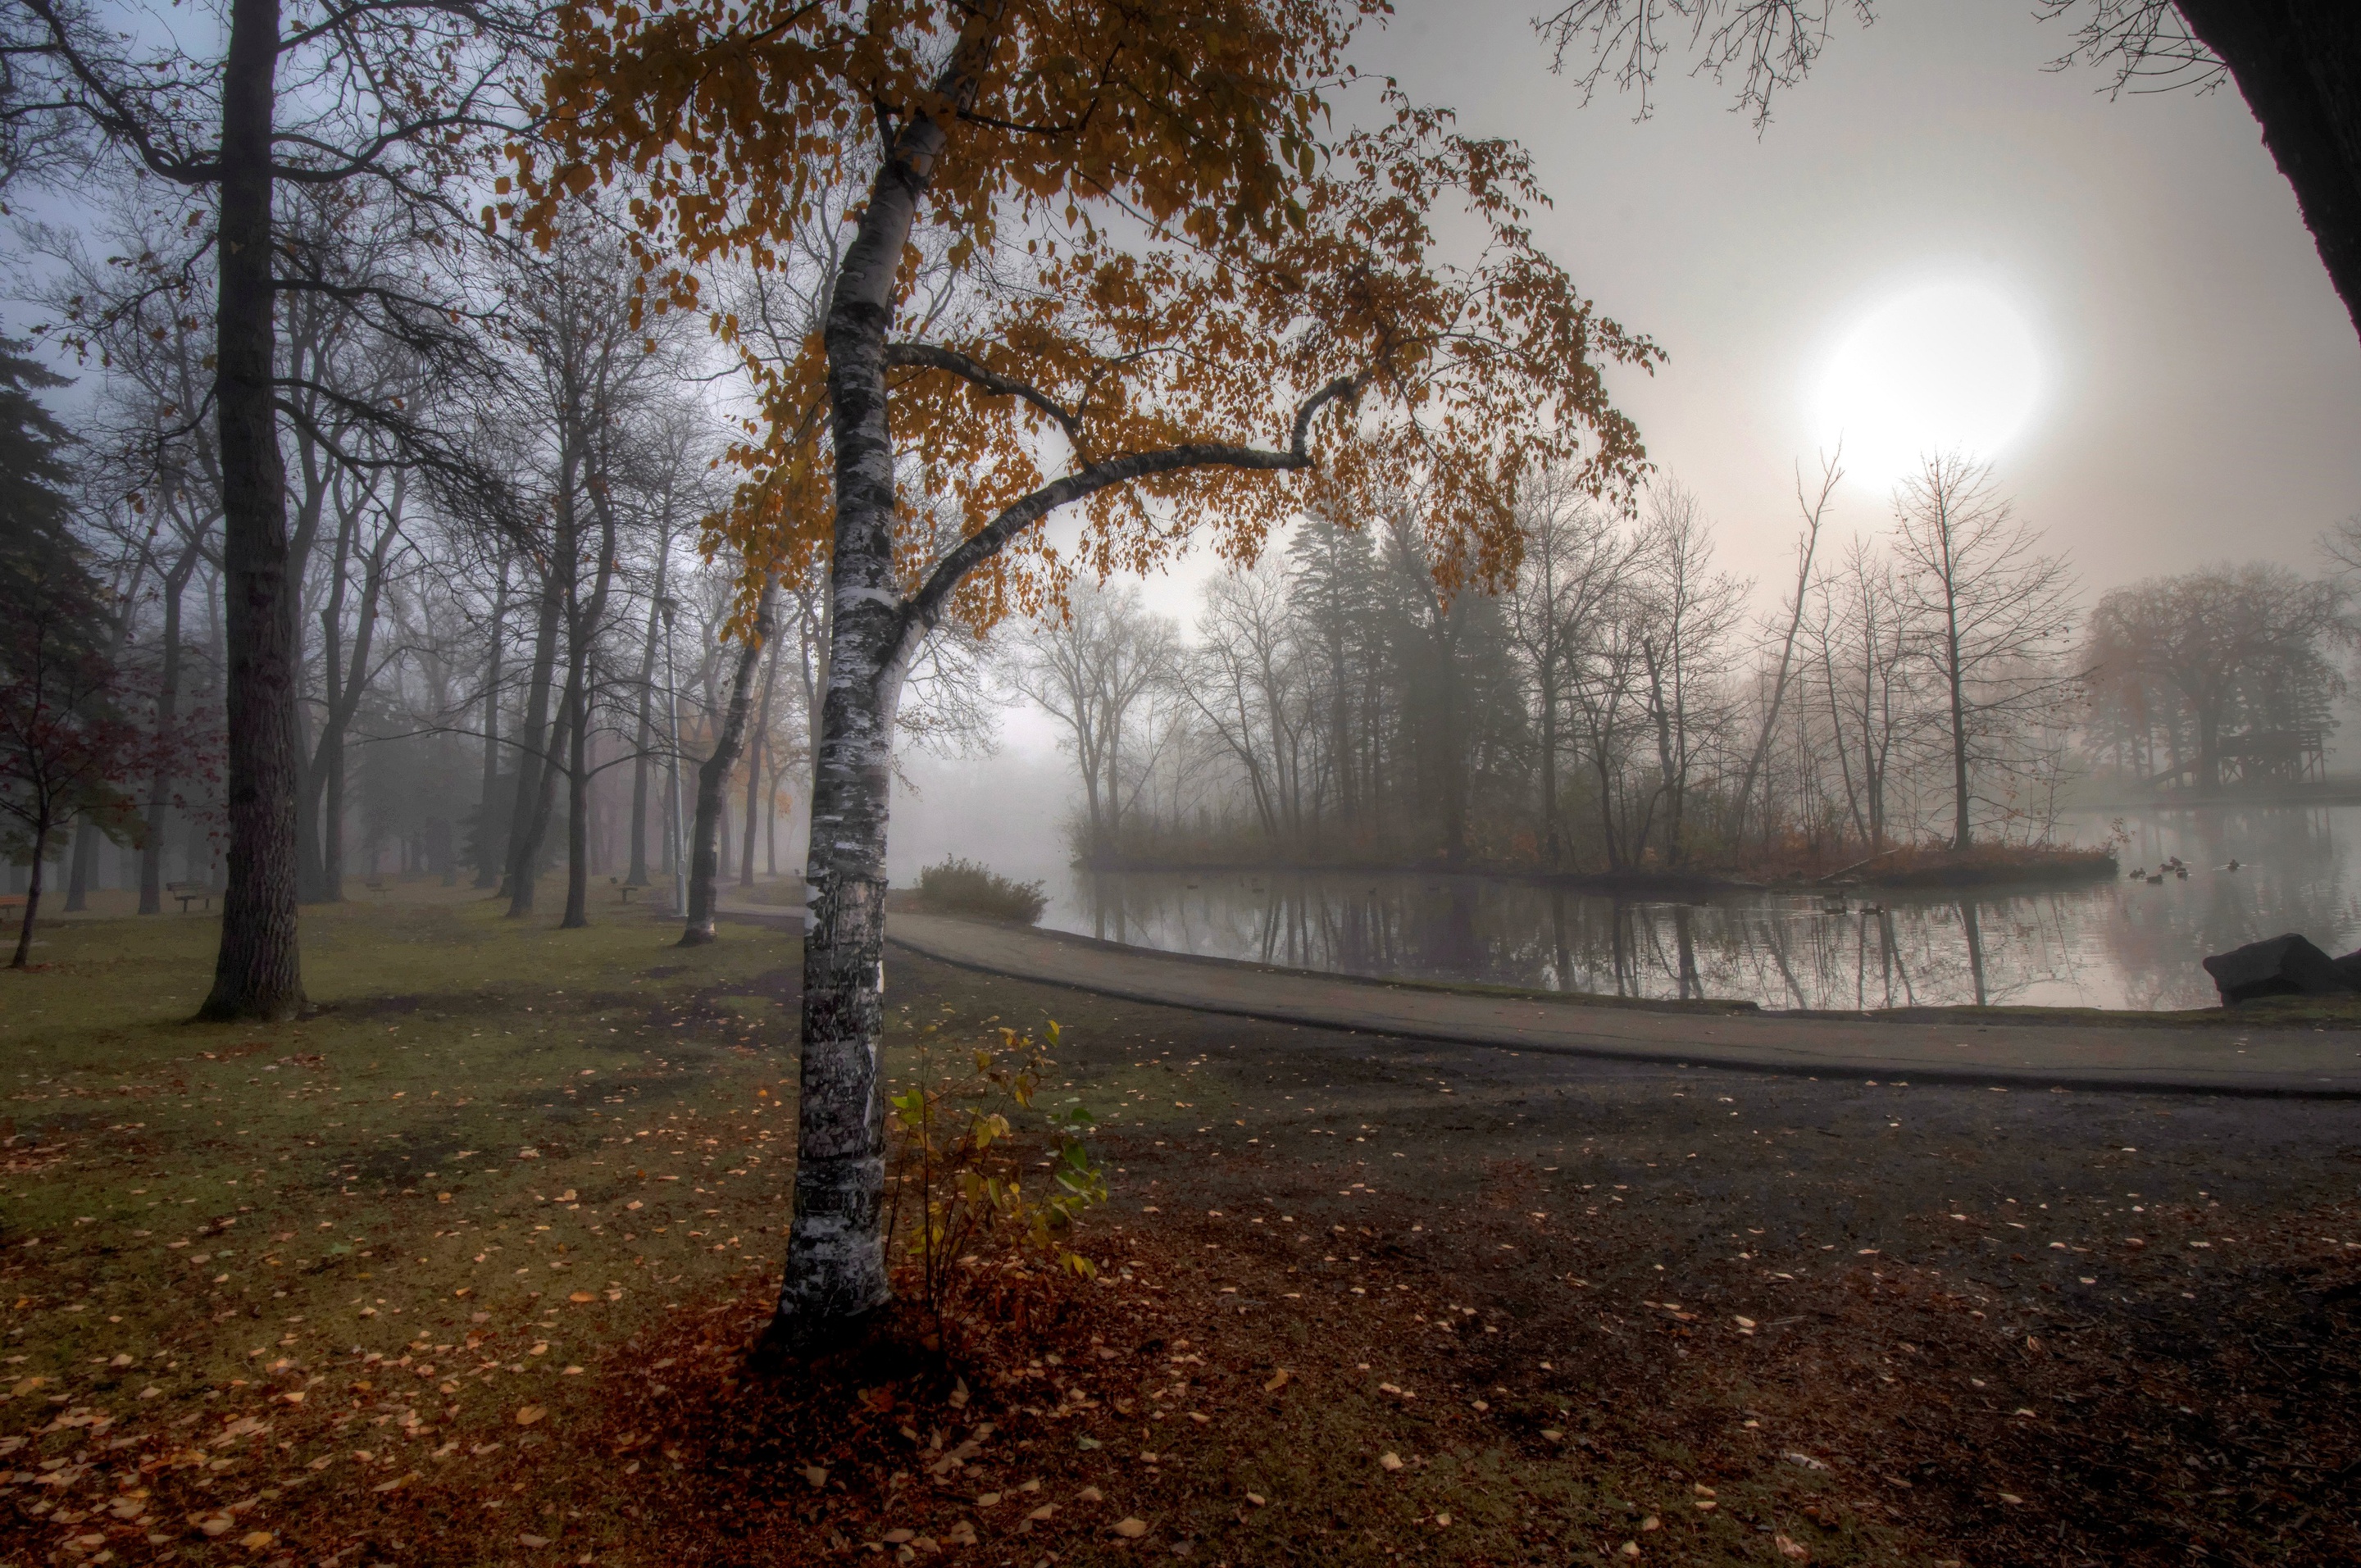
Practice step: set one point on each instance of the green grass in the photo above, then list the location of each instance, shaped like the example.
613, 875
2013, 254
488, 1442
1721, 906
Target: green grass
484, 1120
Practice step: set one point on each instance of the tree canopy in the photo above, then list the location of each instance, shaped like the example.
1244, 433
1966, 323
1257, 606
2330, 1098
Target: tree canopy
1171, 271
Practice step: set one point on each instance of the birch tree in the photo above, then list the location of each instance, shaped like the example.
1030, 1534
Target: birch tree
1177, 283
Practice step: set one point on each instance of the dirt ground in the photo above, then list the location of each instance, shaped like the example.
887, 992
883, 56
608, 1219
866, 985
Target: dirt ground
1360, 1301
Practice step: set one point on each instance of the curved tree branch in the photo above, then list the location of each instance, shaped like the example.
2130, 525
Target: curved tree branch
924, 609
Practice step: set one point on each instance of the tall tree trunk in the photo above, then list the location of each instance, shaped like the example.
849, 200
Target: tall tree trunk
32, 897
1830, 475
757, 754
582, 624
259, 973
713, 776
168, 716
525, 876
643, 734
1958, 711
487, 848
537, 756
331, 827
82, 866
577, 806
836, 1248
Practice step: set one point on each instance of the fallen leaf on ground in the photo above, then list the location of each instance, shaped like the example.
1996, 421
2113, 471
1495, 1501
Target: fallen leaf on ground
1131, 1528
817, 1474
1254, 1498
1793, 1551
256, 1540
1389, 1461
1089, 1494
528, 1414
1278, 1381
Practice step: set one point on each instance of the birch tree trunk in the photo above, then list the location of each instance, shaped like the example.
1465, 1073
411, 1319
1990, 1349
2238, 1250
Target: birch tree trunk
836, 1249
259, 973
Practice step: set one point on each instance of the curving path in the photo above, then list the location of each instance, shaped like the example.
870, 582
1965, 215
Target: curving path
2196, 1056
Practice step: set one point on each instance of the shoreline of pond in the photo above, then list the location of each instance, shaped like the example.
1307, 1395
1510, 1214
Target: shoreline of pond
1996, 867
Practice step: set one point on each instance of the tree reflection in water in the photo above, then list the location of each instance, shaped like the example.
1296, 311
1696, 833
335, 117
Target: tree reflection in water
2110, 943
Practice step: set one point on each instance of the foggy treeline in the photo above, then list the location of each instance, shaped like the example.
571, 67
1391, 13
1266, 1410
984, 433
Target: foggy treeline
514, 622
508, 627
1624, 705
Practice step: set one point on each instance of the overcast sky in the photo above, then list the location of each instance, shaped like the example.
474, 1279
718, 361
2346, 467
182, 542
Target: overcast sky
2198, 393
2201, 386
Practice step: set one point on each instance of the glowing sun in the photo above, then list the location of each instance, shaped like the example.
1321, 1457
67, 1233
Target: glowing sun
1943, 367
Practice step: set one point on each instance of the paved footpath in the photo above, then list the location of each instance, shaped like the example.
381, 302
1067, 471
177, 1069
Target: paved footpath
2203, 1056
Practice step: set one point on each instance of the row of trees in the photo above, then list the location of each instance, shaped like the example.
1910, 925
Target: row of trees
500, 632
1615, 707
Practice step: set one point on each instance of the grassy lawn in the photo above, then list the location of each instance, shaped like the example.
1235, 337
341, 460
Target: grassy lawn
462, 1270
497, 1151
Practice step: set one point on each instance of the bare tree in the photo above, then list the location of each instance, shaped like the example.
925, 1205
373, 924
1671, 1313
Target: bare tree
1989, 612
1574, 564
1808, 545
1087, 669
328, 100
1862, 647
1687, 610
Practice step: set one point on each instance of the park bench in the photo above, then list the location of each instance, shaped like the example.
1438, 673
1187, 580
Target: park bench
12, 901
189, 892
375, 883
623, 890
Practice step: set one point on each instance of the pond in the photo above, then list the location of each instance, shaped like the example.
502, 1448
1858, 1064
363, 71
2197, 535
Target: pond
2114, 943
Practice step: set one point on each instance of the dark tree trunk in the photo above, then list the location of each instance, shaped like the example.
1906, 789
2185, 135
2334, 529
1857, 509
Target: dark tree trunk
577, 806
757, 755
488, 847
713, 776
168, 716
2298, 63
643, 732
83, 865
258, 973
537, 756
582, 624
32, 897
526, 876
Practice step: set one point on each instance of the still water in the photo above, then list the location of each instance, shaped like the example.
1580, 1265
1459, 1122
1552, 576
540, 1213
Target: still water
2114, 943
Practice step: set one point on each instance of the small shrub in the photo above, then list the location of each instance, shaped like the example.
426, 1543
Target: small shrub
963, 887
958, 1191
